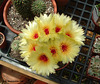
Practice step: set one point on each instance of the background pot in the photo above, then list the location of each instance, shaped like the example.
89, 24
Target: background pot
39, 82
12, 77
8, 4
3, 43
1, 9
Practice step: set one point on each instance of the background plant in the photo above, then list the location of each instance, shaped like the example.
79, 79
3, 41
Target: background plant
94, 69
97, 7
15, 45
28, 8
96, 45
15, 52
38, 6
23, 7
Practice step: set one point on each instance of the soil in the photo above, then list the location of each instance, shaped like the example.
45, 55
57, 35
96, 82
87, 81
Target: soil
16, 20
1, 38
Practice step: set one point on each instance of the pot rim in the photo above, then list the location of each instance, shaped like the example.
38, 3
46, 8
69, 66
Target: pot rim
3, 39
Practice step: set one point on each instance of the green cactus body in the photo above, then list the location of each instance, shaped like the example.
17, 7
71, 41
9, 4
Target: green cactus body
38, 6
23, 7
94, 69
15, 45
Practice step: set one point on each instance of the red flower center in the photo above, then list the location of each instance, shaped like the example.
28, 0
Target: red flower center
43, 58
53, 51
68, 34
64, 47
34, 49
36, 36
46, 31
57, 29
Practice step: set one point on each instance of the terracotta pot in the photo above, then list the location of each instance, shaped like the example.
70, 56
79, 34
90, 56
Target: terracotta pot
12, 77
39, 82
61, 3
3, 43
93, 77
1, 9
8, 4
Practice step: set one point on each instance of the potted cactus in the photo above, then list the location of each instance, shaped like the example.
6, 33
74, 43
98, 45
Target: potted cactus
24, 11
96, 18
14, 52
2, 40
96, 46
2, 4
93, 70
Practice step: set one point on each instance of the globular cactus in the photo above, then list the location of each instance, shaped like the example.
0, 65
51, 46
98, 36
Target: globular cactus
23, 7
38, 6
15, 45
96, 45
94, 69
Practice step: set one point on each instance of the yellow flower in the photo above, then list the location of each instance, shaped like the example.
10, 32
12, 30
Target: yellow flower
68, 49
60, 21
52, 46
27, 49
23, 41
31, 32
46, 26
50, 39
75, 32
42, 62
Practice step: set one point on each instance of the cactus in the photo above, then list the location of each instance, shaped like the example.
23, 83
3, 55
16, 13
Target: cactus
38, 6
23, 7
94, 69
15, 45
15, 52
96, 45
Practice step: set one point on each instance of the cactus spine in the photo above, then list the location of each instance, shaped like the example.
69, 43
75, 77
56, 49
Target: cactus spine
38, 6
15, 45
23, 7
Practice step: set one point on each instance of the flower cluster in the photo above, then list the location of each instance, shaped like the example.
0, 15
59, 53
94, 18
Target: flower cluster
49, 40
